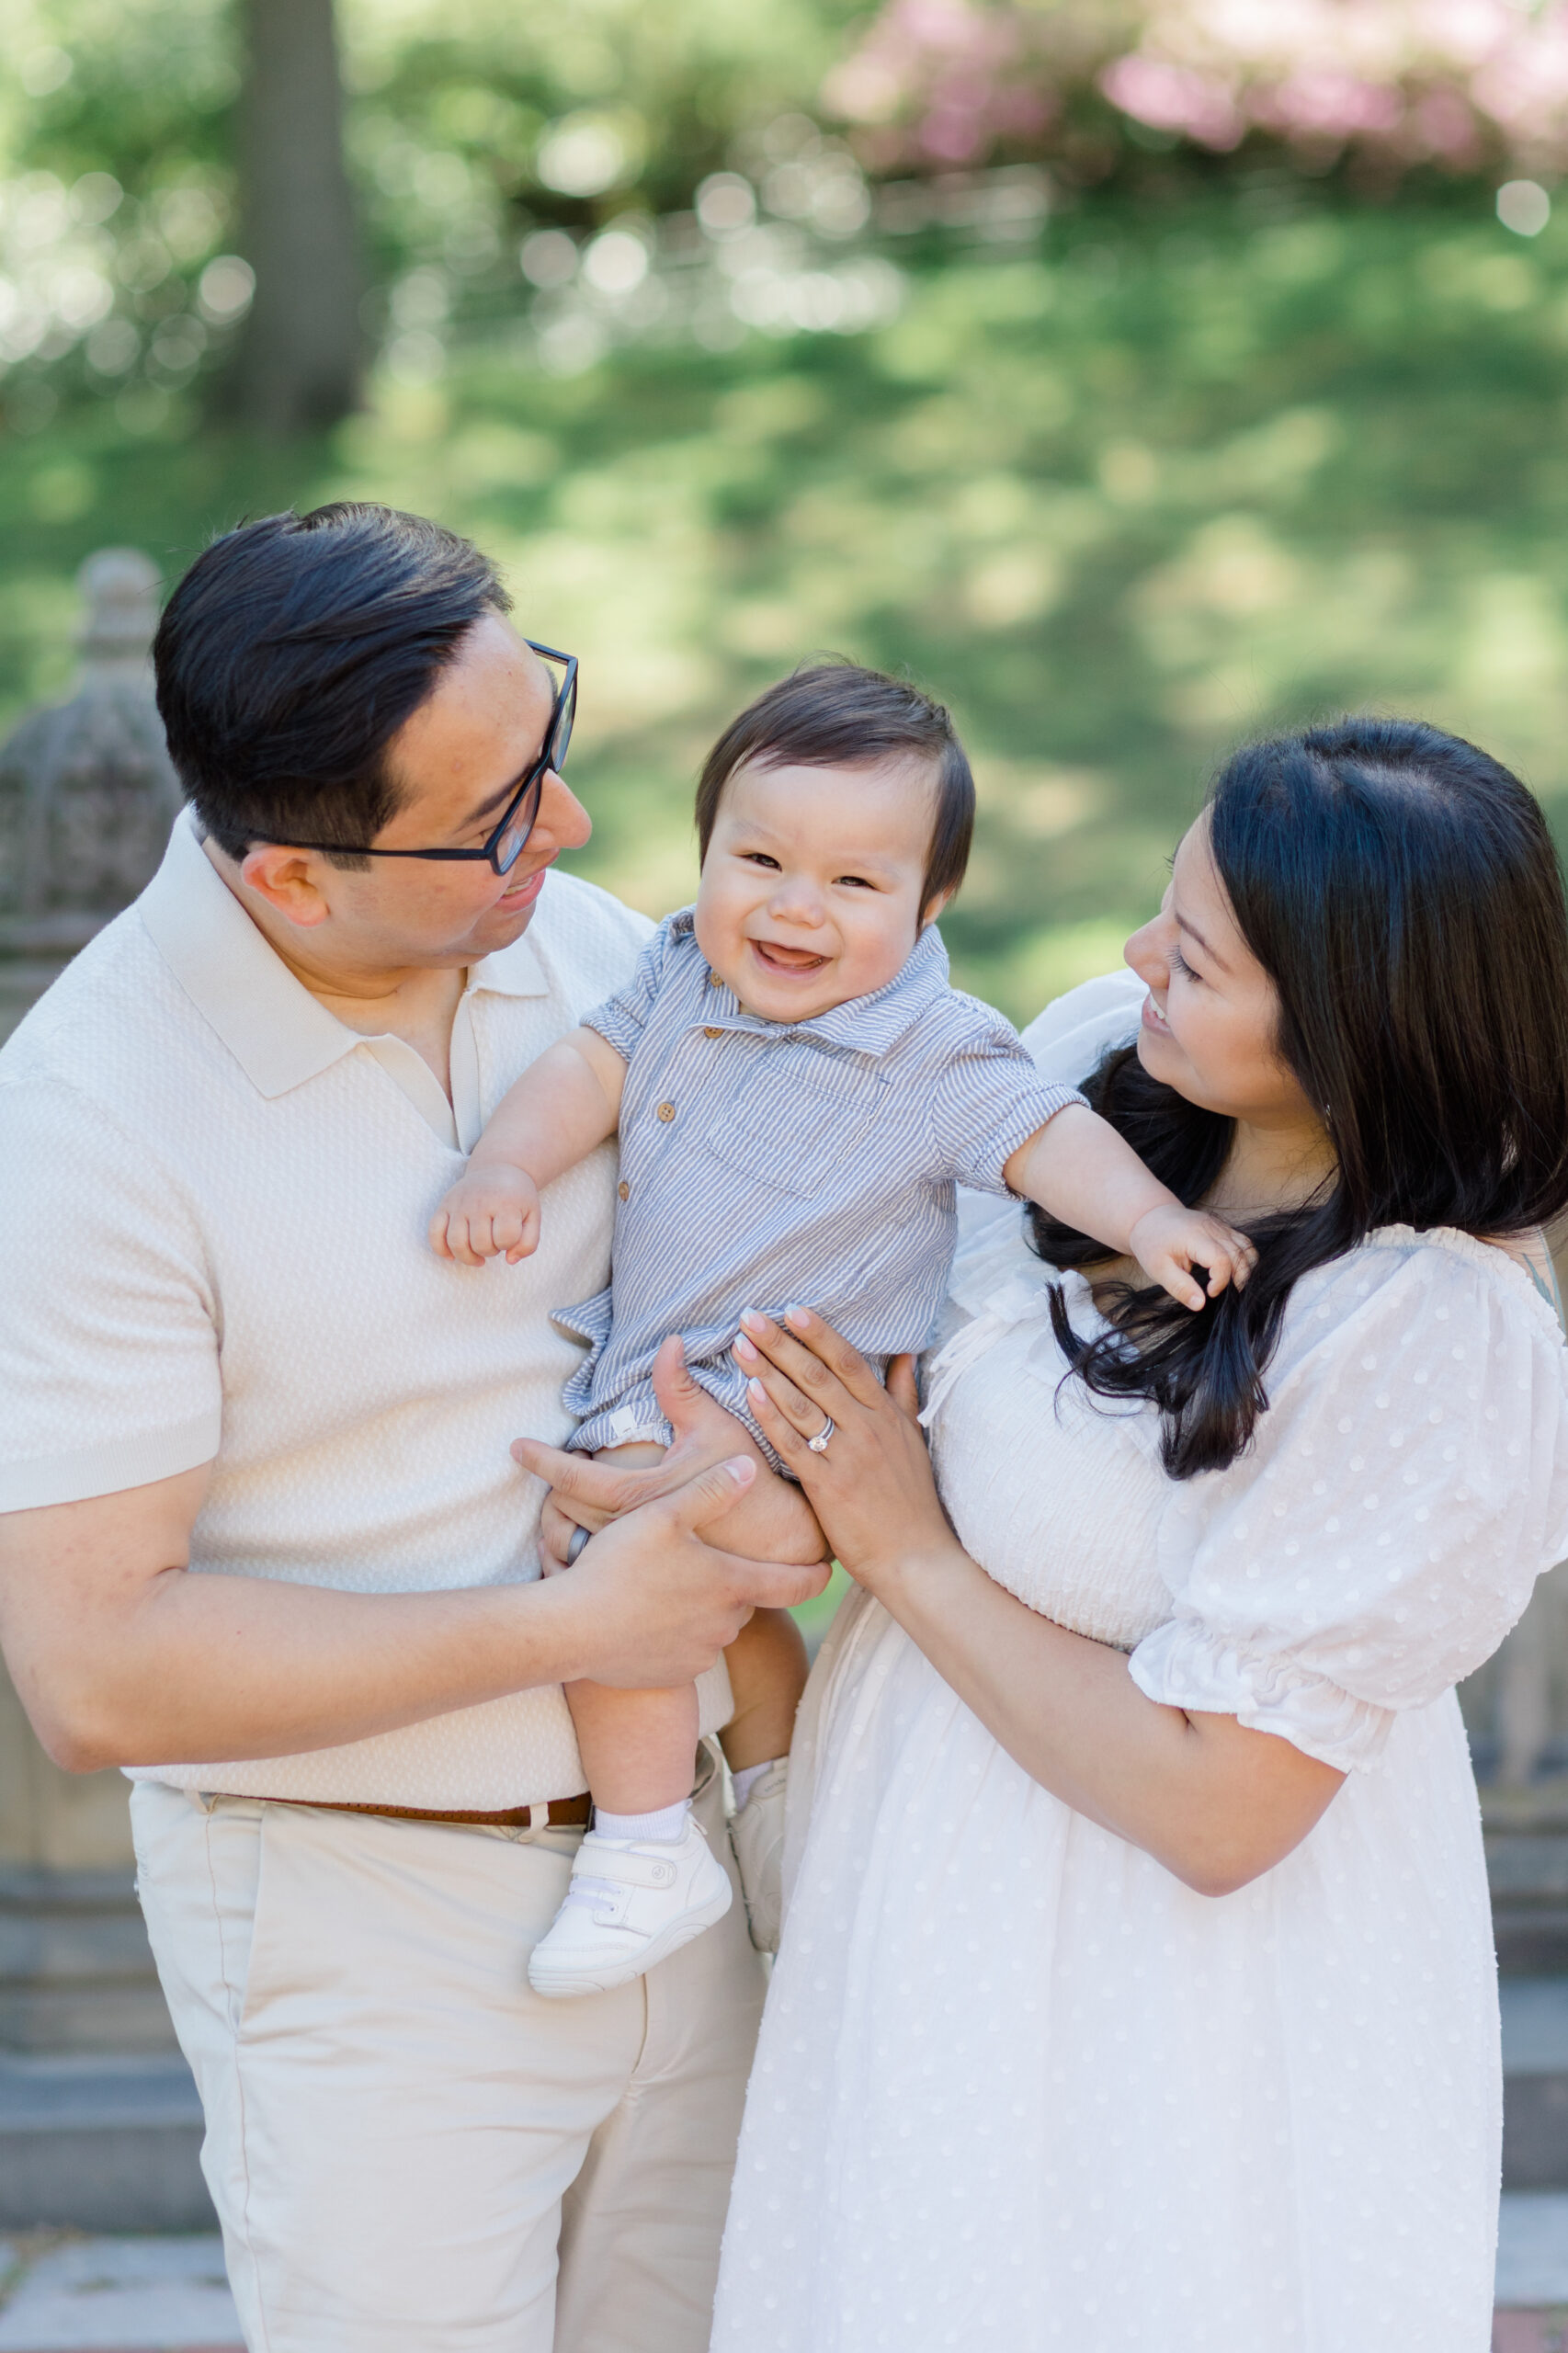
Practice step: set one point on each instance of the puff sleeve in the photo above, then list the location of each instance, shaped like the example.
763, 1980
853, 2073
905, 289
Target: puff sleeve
1406, 1488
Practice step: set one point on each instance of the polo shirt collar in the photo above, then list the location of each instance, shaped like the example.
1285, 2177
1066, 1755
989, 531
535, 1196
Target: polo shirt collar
278, 1032
870, 1025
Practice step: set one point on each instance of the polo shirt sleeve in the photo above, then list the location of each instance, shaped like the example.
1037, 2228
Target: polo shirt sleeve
987, 1098
108, 1329
621, 1018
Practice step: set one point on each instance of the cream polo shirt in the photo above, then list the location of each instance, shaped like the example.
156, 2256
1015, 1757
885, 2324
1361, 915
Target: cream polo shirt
213, 1197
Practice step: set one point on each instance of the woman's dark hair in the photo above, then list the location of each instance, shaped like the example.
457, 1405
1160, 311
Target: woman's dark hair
835, 714
292, 652
1401, 891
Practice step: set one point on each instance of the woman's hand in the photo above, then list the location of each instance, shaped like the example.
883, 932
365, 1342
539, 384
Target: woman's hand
873, 1489
1212, 1799
772, 1521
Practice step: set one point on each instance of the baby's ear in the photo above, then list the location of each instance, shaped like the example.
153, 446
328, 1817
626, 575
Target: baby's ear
934, 907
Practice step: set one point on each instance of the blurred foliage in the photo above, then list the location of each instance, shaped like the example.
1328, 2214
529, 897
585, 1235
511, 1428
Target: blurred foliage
469, 123
1381, 87
492, 141
1121, 498
572, 113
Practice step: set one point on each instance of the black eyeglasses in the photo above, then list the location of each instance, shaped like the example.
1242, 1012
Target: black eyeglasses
518, 819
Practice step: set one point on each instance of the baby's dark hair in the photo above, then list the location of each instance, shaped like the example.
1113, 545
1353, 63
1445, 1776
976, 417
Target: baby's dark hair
835, 714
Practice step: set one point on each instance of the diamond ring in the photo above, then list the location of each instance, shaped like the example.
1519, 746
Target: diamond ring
818, 1445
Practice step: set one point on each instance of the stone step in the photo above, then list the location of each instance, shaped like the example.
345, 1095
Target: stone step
112, 2144
1527, 1863
1535, 2082
76, 1972
100, 2143
160, 2294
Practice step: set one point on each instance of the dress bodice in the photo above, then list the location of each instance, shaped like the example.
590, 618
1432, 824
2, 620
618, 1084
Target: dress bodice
1058, 1497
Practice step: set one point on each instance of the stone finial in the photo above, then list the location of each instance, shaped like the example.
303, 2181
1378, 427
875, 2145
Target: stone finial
119, 593
87, 793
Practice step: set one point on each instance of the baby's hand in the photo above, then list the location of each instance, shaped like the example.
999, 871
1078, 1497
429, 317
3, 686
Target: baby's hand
1168, 1242
490, 1211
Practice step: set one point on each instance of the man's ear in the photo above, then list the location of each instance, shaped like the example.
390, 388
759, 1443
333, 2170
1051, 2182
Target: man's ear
285, 879
934, 907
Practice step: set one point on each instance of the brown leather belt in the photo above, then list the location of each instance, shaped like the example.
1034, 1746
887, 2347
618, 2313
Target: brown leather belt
560, 1814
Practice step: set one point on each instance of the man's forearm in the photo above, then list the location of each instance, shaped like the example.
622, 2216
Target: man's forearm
200, 1668
123, 1655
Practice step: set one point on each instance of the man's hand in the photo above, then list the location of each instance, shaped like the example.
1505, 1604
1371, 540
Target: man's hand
493, 1209
771, 1521
653, 1603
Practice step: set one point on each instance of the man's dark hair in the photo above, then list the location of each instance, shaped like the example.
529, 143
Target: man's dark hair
292, 652
835, 714
1400, 890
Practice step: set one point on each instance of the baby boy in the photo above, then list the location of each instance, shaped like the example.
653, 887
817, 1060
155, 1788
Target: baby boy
798, 1092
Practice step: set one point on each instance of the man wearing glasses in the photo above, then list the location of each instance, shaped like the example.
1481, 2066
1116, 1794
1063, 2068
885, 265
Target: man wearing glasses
225, 1348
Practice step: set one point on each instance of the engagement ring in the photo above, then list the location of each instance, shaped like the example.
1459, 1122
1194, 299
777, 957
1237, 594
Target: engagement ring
818, 1445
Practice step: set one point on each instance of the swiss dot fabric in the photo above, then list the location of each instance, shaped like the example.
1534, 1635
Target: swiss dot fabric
1019, 2086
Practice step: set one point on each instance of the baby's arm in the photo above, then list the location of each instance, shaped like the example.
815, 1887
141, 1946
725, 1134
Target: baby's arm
1079, 1169
561, 1107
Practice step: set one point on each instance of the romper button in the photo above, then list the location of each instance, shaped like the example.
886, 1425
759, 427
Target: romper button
712, 1034
624, 1189
666, 1112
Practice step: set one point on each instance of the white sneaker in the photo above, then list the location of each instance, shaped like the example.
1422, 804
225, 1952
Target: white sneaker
630, 1905
757, 1834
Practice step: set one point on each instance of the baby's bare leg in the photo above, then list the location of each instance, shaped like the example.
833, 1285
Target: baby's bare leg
637, 1748
767, 1674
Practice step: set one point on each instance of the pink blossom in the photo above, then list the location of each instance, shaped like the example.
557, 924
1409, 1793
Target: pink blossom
1455, 80
1329, 105
1172, 97
1444, 126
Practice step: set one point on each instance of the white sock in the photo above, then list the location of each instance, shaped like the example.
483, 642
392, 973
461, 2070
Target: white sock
747, 1780
667, 1827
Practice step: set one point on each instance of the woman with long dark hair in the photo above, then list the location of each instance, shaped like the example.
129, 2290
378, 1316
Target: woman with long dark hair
1136, 1985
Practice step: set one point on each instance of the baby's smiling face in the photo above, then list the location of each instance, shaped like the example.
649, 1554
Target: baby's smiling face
811, 891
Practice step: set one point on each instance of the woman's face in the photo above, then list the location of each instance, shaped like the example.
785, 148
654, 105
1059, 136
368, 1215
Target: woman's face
1211, 1015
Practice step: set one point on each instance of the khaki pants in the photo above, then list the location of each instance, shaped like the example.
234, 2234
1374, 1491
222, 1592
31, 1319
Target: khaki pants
409, 2151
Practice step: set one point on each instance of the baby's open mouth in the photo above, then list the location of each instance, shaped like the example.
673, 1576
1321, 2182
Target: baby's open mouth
786, 960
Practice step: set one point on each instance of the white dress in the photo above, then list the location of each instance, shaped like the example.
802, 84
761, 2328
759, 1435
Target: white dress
1017, 2087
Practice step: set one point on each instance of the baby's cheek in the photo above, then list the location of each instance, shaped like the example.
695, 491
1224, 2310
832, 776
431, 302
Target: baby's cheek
718, 924
877, 946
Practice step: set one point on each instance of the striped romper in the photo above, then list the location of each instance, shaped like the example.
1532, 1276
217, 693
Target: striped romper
765, 1163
